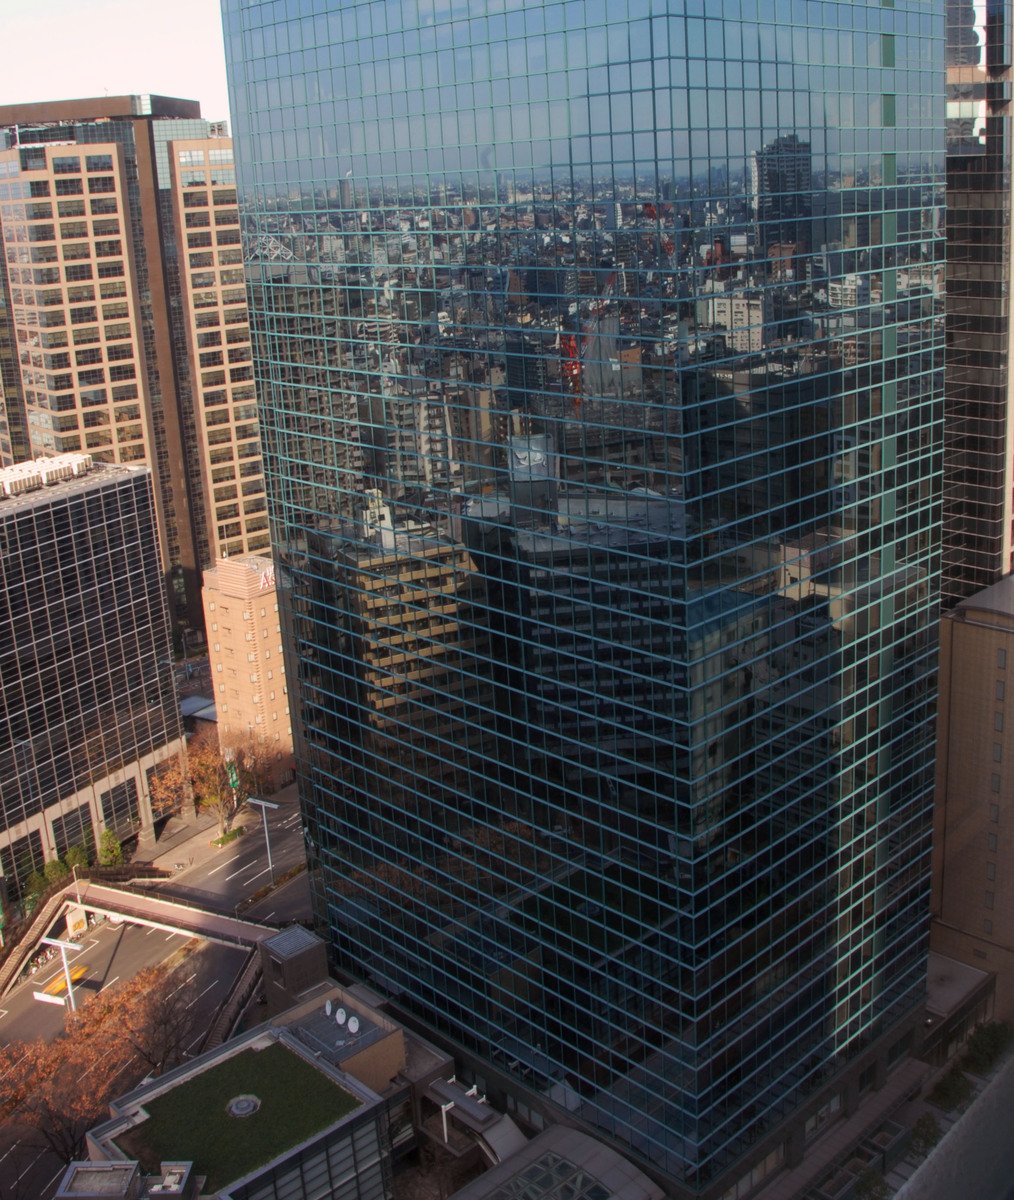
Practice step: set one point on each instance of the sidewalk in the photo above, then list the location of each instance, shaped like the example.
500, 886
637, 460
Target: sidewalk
188, 841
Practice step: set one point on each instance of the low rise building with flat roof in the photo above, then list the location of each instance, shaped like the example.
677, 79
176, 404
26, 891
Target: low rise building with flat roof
264, 1117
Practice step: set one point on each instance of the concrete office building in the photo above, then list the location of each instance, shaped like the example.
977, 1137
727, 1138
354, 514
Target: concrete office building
245, 655
123, 322
614, 639
222, 393
87, 702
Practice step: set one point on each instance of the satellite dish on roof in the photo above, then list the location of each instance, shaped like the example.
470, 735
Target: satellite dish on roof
339, 1016
327, 1007
353, 1024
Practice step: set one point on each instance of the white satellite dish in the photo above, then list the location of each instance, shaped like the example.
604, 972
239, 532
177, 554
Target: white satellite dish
339, 1016
327, 1008
353, 1024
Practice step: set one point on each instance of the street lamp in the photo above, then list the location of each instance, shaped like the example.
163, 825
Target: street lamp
264, 805
63, 947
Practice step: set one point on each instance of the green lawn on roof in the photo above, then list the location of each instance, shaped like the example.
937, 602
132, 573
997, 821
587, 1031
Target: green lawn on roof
191, 1124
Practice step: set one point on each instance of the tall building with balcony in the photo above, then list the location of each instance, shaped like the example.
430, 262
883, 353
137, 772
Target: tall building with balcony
122, 280
87, 704
612, 629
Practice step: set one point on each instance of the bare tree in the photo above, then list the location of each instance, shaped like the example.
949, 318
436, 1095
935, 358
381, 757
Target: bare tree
170, 786
58, 1090
160, 1023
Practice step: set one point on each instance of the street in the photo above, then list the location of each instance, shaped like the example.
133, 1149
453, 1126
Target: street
113, 952
219, 878
216, 878
110, 953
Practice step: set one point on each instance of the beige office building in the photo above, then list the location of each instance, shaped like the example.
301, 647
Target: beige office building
217, 334
973, 865
247, 668
123, 316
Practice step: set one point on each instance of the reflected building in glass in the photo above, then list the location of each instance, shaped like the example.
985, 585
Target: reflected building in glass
600, 359
979, 479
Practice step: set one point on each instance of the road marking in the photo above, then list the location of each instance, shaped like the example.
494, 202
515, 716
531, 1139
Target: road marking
214, 984
3, 1013
169, 936
12, 1149
31, 1164
269, 916
244, 867
189, 979
217, 869
257, 876
109, 984
150, 931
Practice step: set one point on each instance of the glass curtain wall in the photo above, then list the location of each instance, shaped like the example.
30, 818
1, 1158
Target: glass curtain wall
599, 352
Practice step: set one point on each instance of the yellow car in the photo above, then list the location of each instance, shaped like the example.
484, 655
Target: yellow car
57, 986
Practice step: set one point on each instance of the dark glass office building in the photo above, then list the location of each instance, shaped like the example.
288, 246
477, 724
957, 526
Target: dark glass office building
88, 708
978, 529
600, 355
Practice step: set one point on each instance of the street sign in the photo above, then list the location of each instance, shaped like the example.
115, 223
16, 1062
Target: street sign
230, 770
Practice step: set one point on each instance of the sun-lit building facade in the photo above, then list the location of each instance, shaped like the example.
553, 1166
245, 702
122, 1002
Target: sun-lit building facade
600, 357
123, 320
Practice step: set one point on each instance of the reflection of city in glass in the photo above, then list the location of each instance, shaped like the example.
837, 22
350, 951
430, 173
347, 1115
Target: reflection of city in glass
977, 542
600, 369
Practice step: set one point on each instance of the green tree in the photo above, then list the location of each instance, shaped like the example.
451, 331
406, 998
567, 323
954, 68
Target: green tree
871, 1185
110, 850
55, 871
76, 856
951, 1090
34, 888
986, 1046
925, 1133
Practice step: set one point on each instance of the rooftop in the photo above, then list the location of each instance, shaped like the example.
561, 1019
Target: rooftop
243, 578
998, 599
97, 108
562, 1163
98, 1179
43, 480
190, 1119
291, 941
950, 983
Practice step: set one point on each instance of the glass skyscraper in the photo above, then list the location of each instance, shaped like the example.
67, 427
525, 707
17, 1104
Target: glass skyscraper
978, 526
599, 349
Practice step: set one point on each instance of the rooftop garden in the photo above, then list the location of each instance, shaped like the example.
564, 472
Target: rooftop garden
192, 1122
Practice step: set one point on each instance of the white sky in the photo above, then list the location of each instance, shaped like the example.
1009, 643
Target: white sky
64, 49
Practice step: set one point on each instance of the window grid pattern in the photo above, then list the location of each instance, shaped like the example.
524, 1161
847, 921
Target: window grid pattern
600, 357
977, 539
83, 633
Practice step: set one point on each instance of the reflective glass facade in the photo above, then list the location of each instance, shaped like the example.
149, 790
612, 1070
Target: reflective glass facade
600, 359
979, 489
87, 708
